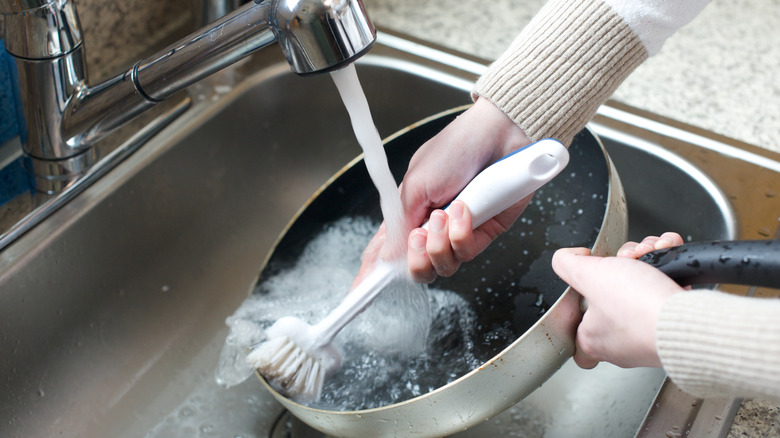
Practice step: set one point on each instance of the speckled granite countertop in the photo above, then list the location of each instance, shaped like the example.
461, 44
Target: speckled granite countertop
721, 72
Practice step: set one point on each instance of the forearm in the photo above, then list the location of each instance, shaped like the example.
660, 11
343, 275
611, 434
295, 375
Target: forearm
562, 66
572, 56
713, 344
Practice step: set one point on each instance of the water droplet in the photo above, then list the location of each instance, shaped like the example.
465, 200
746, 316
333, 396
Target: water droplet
186, 412
206, 429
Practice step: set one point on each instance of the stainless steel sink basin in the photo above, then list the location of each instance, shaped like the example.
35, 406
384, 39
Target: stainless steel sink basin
113, 308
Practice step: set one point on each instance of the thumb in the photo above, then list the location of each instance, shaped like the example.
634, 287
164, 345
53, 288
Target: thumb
571, 264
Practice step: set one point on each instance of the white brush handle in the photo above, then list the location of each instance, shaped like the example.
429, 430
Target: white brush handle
492, 191
512, 178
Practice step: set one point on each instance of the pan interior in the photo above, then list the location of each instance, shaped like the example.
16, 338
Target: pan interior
499, 295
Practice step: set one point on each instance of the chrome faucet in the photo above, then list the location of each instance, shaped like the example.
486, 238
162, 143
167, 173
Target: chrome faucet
64, 117
207, 11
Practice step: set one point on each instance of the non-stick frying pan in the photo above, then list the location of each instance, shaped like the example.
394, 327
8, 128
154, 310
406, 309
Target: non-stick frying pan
511, 286
583, 206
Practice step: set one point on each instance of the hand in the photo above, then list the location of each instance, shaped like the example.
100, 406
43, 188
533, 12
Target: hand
437, 172
625, 297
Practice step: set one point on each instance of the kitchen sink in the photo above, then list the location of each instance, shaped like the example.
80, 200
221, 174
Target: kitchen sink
113, 307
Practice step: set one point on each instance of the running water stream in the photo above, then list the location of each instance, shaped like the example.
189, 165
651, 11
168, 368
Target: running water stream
348, 84
403, 299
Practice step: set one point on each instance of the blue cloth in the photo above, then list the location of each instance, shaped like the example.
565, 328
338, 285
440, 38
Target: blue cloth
9, 124
14, 180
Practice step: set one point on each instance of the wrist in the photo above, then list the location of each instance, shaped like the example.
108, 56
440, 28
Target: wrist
507, 134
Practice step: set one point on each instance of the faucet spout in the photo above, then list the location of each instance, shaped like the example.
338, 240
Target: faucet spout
65, 117
321, 35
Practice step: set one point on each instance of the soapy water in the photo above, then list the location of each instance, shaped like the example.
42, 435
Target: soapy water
388, 354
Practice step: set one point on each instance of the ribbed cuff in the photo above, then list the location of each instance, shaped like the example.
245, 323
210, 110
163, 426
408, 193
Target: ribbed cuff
714, 344
568, 60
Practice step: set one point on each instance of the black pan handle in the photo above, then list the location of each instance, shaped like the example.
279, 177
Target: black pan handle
745, 262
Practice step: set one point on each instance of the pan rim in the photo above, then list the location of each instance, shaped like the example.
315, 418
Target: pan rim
598, 247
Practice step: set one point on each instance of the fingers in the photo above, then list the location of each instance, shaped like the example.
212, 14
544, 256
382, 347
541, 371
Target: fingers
420, 266
668, 240
461, 233
582, 359
440, 251
448, 242
566, 264
635, 250
370, 255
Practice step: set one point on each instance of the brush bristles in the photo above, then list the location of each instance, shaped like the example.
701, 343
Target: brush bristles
288, 369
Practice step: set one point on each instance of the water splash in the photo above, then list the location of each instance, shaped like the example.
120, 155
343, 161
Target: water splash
380, 364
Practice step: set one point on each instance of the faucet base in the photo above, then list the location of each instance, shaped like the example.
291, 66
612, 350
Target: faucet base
53, 176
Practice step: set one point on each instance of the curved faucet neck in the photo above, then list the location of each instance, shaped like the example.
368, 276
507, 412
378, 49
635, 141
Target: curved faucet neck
65, 117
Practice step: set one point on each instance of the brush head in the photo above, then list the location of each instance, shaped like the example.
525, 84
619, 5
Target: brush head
290, 362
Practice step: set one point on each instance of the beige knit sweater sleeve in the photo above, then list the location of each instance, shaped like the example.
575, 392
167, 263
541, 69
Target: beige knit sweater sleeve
568, 60
713, 344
